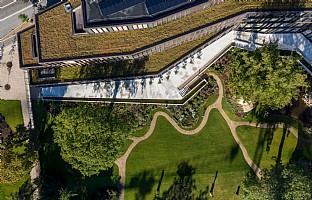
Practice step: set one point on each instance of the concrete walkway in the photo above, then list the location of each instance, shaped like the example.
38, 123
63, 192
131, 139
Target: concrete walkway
121, 162
15, 78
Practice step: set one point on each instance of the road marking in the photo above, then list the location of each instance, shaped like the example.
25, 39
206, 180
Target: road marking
16, 13
8, 4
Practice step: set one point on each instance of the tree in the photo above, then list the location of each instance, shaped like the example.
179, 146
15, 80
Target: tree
288, 182
90, 137
23, 17
263, 77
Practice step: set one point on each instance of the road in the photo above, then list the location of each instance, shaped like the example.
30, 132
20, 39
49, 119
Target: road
9, 11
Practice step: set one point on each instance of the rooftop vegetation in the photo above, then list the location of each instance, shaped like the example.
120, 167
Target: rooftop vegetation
25, 42
57, 41
151, 64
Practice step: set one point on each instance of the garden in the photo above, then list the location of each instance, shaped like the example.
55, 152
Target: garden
167, 163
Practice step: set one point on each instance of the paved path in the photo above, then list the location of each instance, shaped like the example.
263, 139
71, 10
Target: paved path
15, 78
121, 162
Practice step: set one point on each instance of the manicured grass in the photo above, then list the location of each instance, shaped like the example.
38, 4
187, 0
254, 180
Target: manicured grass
12, 111
263, 144
7, 189
208, 151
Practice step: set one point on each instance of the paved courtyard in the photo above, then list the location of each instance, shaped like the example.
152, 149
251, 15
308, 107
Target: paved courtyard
15, 78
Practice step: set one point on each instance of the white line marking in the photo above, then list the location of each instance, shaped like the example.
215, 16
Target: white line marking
16, 13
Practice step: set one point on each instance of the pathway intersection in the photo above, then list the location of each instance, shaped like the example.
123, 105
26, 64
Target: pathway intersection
121, 162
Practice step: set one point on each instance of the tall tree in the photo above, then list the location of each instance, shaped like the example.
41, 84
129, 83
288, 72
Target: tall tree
90, 137
263, 76
288, 182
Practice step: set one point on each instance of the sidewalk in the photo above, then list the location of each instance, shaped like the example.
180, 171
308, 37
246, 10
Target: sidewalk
15, 79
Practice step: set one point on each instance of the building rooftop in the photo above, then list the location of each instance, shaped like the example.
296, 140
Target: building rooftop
114, 11
26, 56
57, 42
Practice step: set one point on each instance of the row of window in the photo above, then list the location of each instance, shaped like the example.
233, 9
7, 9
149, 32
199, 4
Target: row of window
148, 25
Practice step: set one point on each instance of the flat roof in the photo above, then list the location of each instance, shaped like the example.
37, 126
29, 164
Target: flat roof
112, 11
24, 37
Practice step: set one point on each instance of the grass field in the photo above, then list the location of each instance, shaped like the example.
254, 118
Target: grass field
263, 144
208, 151
12, 111
7, 189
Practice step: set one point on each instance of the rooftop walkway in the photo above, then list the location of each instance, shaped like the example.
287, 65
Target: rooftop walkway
172, 84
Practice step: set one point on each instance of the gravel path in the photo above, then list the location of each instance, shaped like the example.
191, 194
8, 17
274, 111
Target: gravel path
121, 162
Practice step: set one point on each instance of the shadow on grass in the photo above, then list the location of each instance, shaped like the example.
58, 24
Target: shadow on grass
184, 185
144, 182
303, 150
234, 151
264, 142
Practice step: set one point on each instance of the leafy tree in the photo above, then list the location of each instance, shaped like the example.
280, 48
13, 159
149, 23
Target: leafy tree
279, 182
90, 137
23, 17
263, 77
66, 194
24, 192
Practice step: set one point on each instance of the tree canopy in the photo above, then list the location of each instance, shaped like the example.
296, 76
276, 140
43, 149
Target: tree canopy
90, 136
263, 76
288, 182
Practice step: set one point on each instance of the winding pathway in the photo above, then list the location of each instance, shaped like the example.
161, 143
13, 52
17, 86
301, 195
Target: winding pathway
121, 162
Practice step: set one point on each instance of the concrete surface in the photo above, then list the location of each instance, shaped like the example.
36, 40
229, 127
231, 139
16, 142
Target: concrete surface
15, 78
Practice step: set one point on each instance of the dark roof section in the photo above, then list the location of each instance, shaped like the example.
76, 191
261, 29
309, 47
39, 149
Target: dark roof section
119, 12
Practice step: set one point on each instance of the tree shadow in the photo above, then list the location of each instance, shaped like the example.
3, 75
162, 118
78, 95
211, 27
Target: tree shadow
184, 185
144, 182
264, 143
303, 151
234, 152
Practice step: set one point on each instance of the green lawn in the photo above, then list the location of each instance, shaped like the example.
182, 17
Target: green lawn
12, 111
7, 189
208, 151
263, 144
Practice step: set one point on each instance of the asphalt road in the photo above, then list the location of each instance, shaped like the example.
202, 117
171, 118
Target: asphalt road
9, 11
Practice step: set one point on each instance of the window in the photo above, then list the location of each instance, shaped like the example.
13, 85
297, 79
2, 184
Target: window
130, 27
94, 30
34, 46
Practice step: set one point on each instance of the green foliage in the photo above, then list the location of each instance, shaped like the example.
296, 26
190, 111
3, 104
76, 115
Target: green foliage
66, 194
90, 137
264, 77
24, 192
23, 17
279, 182
18, 156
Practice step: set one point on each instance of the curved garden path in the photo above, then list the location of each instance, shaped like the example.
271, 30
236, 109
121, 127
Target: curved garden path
121, 162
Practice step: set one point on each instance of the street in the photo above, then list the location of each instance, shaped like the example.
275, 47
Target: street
9, 11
